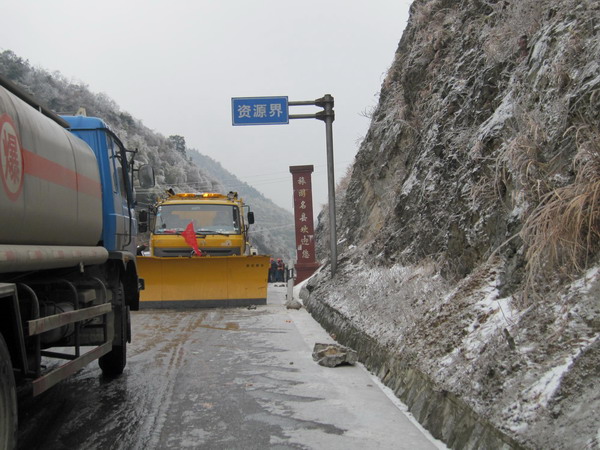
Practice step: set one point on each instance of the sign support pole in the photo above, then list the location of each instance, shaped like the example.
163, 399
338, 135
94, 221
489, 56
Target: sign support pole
328, 116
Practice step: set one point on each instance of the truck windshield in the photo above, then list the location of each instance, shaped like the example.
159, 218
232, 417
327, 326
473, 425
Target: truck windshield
206, 219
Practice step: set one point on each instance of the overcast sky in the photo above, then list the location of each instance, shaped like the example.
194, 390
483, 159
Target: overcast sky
176, 65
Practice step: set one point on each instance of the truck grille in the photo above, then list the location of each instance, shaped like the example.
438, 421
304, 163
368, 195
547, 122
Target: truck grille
187, 251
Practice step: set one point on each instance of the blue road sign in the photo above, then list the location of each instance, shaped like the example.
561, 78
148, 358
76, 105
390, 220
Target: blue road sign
259, 110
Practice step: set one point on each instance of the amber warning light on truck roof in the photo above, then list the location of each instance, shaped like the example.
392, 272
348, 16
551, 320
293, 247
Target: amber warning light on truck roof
186, 195
203, 195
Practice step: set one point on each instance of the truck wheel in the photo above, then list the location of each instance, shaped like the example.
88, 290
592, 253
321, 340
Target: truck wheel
113, 363
8, 400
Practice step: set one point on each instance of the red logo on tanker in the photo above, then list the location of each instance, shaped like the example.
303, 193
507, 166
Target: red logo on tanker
11, 158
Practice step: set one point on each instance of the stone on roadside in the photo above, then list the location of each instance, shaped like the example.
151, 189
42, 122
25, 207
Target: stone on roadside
333, 355
293, 304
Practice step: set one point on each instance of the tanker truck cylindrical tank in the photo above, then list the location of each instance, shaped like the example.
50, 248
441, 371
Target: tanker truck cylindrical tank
50, 191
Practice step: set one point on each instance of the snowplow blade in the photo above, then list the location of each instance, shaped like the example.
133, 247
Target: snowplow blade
205, 282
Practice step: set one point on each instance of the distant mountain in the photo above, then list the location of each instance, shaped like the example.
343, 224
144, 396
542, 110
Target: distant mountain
184, 170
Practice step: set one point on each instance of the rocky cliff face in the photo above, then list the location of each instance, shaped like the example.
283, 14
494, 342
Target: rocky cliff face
469, 231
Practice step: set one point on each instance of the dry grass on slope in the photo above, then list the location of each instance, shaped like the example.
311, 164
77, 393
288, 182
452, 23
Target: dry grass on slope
563, 232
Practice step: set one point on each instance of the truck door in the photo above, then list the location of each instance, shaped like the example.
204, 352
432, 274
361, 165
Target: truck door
119, 186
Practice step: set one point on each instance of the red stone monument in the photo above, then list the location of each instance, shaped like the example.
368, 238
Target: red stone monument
306, 263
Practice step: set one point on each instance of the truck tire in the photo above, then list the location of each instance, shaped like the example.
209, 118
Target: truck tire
113, 363
8, 400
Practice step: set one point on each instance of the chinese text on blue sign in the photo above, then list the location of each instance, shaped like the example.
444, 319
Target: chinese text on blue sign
259, 110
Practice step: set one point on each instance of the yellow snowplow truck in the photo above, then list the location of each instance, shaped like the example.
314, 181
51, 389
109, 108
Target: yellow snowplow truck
199, 254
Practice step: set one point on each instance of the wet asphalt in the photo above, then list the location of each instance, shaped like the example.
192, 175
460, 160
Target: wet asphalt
234, 378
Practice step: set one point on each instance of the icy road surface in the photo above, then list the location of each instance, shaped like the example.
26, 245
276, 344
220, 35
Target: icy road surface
221, 379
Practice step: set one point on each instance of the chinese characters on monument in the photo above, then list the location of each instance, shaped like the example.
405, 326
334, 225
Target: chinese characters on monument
303, 219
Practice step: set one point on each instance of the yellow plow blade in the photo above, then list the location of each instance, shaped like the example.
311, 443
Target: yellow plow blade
208, 282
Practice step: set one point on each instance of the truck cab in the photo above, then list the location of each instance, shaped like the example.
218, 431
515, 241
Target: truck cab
217, 220
119, 219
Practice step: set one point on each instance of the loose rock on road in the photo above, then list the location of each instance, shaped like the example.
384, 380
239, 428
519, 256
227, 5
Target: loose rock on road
221, 379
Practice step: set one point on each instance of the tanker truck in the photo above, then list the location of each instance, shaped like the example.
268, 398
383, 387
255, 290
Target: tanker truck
200, 256
68, 275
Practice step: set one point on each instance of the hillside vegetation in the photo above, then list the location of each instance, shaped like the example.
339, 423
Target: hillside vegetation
469, 230
176, 166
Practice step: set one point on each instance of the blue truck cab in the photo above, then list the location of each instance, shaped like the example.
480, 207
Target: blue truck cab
118, 214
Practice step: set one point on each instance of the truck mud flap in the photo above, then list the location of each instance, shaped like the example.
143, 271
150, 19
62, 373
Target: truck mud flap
205, 282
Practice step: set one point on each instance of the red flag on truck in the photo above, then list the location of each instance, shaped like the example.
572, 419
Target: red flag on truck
189, 234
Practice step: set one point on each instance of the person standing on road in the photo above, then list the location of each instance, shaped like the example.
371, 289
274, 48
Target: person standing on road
280, 270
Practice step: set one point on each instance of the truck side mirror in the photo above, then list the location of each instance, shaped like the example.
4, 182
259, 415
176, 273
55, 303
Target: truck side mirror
250, 217
142, 221
146, 176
